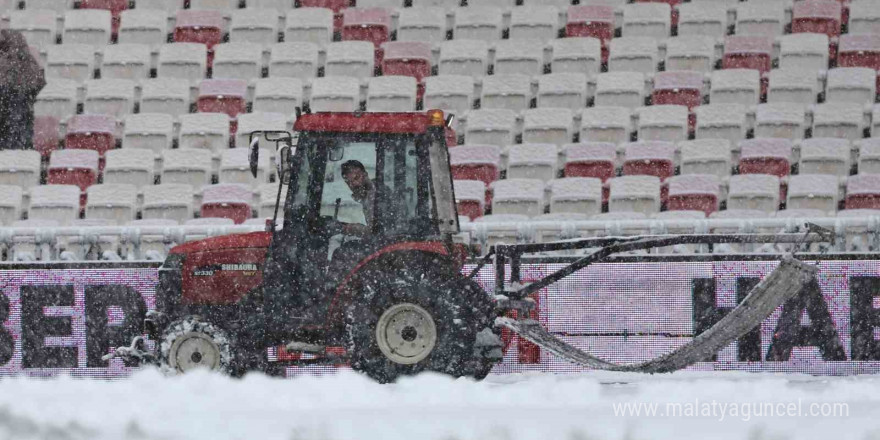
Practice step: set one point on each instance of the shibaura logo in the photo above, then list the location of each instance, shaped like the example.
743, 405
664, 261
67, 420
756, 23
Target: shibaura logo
241, 267
246, 269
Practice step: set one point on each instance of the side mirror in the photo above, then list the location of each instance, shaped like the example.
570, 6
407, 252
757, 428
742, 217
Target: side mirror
255, 153
284, 155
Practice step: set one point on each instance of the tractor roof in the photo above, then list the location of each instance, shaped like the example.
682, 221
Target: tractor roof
416, 122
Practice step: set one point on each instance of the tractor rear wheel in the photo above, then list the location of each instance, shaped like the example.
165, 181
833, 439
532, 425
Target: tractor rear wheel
192, 343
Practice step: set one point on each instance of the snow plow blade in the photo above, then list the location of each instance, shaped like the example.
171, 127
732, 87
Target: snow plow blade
779, 286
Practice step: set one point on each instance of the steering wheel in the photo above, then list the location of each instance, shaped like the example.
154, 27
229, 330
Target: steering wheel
330, 226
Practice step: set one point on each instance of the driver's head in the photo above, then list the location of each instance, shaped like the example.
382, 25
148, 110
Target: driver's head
355, 175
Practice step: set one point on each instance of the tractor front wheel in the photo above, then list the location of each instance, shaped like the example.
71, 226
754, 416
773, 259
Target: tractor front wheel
191, 343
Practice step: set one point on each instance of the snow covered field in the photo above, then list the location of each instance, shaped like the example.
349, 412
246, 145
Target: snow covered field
536, 406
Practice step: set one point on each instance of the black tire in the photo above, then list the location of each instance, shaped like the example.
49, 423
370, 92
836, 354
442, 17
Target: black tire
190, 343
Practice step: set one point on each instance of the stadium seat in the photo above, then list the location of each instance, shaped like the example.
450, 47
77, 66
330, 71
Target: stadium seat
87, 26
813, 191
169, 6
747, 51
91, 132
532, 161
863, 191
38, 26
864, 18
596, 21
130, 166
524, 57
126, 61
470, 198
391, 94
227, 96
478, 23
765, 156
735, 86
251, 122
495, 126
753, 192
475, 162
780, 120
114, 202
680, 88
235, 168
366, 24
277, 95
839, 120
185, 61
293, 60
407, 58
690, 53
204, 130
534, 23
851, 84
151, 131
875, 120
707, 19
722, 121
116, 7
793, 85
869, 156
801, 213
859, 51
252, 25
649, 158
199, 26
143, 26
825, 156
576, 55
187, 166
590, 159
311, 25
335, 94
165, 95
663, 123
652, 20
238, 61
578, 195
636, 194
172, 201
562, 90
73, 167
350, 58
213, 5
804, 51
450, 93
816, 16
694, 192
60, 203
47, 134
706, 156
58, 6
10, 204
547, 125
463, 57
19, 168
518, 196
114, 97
57, 99
227, 200
620, 89
70, 61
606, 124
634, 54
423, 24
760, 18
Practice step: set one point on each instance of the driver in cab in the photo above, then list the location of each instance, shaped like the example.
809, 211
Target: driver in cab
363, 191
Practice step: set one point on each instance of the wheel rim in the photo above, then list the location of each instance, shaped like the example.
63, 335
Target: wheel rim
194, 350
406, 333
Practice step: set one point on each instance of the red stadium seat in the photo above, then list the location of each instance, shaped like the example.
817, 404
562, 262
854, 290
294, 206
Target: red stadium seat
91, 132
73, 167
678, 88
227, 200
595, 21
367, 24
816, 16
746, 52
765, 156
114, 6
694, 192
407, 58
47, 134
222, 96
860, 51
470, 198
650, 158
590, 159
863, 191
476, 162
200, 26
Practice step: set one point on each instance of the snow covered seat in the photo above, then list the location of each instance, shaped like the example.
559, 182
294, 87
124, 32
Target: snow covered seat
512, 91
793, 85
813, 191
173, 201
839, 120
781, 120
227, 96
463, 57
47, 134
763, 18
620, 89
864, 18
268, 196
335, 94
518, 196
801, 213
70, 61
391, 94
298, 59
209, 221
366, 23
126, 61
130, 166
576, 55
694, 192
633, 54
875, 120
722, 121
748, 51
753, 192
663, 123
235, 168
227, 200
57, 99
652, 20
73, 167
113, 97
199, 26
735, 86
167, 6
817, 16
707, 19
204, 130
87, 26
278, 95
649, 158
859, 50
537, 22
450, 93
706, 156
350, 58
765, 156
851, 84
678, 88
19, 168
407, 58
470, 198
475, 162
690, 53
114, 202
590, 159
143, 26
58, 6
580, 195
863, 191
532, 161
804, 51
214, 5
165, 95
825, 156
606, 124
311, 25
238, 60
60, 203
547, 125
496, 126
592, 20
184, 61
639, 194
254, 25
189, 166
260, 121
563, 90
422, 23
10, 204
39, 27
478, 23
525, 57
91, 132
869, 156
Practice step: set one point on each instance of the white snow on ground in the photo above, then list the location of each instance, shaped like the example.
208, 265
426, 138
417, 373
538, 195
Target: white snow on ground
348, 406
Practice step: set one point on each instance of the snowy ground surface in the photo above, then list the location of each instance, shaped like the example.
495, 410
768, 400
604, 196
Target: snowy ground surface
349, 406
